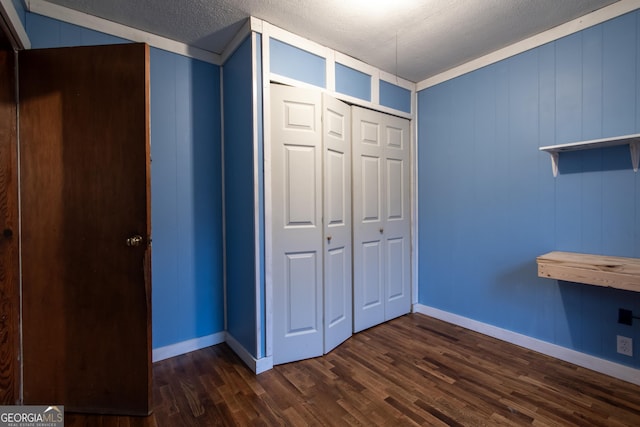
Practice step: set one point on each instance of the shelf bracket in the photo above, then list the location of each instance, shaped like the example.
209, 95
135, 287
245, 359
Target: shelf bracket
554, 162
635, 154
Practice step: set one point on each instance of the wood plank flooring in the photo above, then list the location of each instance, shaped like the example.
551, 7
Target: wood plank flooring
414, 370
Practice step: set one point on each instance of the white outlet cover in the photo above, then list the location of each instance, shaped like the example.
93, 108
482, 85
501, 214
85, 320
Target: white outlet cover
625, 345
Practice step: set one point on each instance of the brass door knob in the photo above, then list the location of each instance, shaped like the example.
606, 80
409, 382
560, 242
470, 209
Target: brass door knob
134, 240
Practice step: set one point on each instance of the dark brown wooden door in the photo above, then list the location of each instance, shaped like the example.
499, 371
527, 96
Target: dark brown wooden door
84, 167
9, 262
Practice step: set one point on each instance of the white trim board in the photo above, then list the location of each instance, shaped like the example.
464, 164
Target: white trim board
277, 78
255, 81
188, 346
224, 198
266, 159
616, 370
14, 24
61, 13
258, 366
594, 18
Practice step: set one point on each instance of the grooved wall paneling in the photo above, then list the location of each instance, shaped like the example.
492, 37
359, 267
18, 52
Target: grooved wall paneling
488, 202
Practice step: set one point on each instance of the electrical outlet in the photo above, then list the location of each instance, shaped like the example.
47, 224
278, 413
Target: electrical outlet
625, 345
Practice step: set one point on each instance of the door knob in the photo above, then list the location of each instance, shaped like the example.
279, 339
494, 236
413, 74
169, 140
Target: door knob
328, 239
381, 230
134, 240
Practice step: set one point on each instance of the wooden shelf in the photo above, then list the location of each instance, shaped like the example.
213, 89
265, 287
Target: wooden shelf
632, 140
598, 270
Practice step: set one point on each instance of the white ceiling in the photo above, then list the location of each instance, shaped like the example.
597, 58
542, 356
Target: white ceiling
414, 39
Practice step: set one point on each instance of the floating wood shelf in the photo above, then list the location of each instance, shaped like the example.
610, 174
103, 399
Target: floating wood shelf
632, 140
598, 270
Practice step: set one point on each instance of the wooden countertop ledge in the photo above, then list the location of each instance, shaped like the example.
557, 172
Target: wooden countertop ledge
598, 270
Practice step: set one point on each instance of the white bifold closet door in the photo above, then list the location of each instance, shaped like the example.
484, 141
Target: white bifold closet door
381, 218
311, 223
338, 282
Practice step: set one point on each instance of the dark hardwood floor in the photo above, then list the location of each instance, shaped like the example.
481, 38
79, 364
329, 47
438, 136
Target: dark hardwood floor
414, 370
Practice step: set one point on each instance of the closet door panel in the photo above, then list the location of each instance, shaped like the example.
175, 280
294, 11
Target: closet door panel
299, 186
372, 268
397, 218
395, 189
338, 305
382, 226
297, 270
336, 181
368, 228
300, 294
370, 189
337, 295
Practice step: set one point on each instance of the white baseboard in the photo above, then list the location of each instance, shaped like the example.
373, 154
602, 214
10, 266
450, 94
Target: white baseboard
597, 364
187, 346
256, 365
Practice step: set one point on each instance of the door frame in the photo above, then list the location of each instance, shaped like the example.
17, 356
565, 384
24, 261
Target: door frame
13, 30
10, 237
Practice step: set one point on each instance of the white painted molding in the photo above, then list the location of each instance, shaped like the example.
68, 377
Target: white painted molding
594, 18
14, 25
331, 70
224, 205
268, 230
277, 78
414, 203
256, 365
263, 365
50, 10
370, 105
256, 24
597, 364
183, 347
255, 81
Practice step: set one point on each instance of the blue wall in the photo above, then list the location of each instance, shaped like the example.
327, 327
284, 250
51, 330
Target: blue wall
188, 299
488, 202
395, 96
353, 82
186, 184
295, 63
239, 198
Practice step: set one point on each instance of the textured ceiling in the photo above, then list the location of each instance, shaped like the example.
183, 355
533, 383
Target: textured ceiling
414, 39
